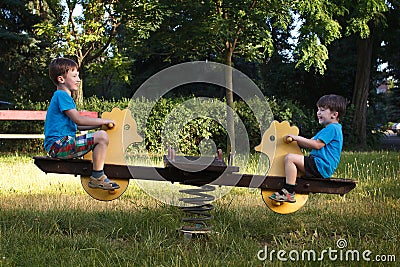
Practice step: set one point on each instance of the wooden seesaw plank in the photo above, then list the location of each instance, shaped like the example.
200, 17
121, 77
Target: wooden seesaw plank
210, 176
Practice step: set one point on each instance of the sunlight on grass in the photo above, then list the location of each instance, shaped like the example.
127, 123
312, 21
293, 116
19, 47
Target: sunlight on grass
48, 219
20, 176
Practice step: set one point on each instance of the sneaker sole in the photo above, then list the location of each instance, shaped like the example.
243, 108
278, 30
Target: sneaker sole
101, 187
279, 200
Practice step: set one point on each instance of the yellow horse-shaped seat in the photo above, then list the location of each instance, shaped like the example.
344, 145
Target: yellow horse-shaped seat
121, 136
274, 146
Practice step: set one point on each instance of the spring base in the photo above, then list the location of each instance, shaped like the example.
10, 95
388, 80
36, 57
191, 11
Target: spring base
189, 234
199, 208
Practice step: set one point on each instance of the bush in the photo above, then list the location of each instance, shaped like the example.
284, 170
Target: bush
209, 124
189, 123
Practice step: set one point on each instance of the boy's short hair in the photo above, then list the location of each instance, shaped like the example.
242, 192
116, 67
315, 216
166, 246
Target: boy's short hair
59, 67
334, 103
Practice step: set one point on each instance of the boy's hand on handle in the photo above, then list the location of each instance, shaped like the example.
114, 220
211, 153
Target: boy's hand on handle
108, 125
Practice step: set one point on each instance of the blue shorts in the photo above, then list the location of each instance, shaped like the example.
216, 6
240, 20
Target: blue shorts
70, 147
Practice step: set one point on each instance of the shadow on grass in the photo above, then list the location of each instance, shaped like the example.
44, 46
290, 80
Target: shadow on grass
67, 230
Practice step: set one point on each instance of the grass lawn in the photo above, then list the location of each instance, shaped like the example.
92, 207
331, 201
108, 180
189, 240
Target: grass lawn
48, 220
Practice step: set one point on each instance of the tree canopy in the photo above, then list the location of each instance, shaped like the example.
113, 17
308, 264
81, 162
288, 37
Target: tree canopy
292, 49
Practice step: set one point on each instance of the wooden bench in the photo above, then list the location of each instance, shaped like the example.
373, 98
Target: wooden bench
30, 115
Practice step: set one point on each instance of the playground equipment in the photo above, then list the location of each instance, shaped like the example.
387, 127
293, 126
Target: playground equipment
187, 170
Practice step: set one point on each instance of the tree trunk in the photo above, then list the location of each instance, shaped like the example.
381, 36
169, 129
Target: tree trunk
78, 95
230, 123
361, 90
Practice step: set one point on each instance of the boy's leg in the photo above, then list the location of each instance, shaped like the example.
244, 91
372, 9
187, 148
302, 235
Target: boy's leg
100, 150
293, 164
76, 146
98, 178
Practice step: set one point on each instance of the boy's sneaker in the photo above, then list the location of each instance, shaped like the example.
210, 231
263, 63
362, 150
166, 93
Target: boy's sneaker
103, 183
285, 197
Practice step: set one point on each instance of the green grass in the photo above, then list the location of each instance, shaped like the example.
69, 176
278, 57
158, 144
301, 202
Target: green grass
48, 220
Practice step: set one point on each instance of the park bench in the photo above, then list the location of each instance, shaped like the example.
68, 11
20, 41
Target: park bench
30, 115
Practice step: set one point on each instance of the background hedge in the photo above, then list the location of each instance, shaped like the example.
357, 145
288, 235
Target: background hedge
189, 135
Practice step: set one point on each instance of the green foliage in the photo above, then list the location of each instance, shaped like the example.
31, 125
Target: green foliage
109, 77
21, 56
319, 28
101, 105
365, 14
313, 54
182, 130
178, 122
122, 43
188, 136
181, 122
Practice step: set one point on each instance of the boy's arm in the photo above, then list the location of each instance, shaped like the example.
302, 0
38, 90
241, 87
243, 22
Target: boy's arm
84, 122
87, 128
307, 143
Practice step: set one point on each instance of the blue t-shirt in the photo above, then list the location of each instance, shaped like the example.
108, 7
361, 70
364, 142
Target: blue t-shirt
57, 124
327, 158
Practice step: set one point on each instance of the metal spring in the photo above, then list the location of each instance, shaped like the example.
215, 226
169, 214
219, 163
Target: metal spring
199, 207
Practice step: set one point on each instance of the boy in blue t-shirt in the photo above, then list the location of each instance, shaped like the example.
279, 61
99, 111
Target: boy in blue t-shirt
326, 148
63, 120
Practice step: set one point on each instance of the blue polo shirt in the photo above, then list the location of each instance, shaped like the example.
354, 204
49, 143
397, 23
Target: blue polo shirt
327, 158
57, 124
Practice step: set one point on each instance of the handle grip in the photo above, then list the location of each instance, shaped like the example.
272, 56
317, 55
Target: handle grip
107, 126
287, 139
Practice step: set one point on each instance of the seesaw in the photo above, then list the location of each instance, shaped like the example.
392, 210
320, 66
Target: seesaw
189, 170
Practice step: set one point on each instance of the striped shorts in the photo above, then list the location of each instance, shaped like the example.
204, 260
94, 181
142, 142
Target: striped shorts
70, 147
